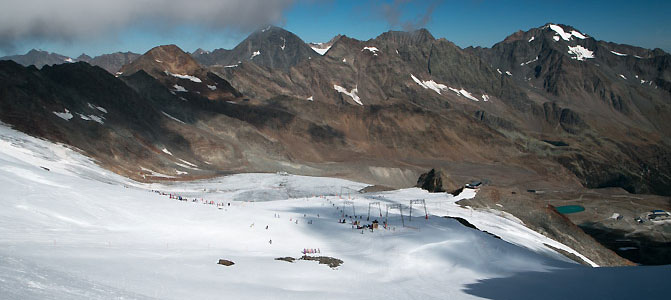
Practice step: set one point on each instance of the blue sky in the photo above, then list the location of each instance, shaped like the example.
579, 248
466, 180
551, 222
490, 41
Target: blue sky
466, 23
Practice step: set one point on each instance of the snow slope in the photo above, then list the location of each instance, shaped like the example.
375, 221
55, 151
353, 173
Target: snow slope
71, 230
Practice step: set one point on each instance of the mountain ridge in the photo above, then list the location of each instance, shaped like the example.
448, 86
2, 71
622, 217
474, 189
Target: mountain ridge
549, 83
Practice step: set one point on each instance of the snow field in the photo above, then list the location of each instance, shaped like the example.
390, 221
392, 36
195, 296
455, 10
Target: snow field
71, 230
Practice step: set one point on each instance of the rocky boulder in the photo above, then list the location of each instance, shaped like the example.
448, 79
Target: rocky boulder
225, 262
436, 181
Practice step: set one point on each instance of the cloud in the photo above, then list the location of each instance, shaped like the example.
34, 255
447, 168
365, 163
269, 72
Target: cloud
68, 20
392, 13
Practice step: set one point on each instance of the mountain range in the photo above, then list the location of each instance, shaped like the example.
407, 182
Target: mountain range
39, 58
547, 107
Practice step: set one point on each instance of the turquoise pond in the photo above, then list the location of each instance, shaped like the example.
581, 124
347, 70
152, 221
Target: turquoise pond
569, 209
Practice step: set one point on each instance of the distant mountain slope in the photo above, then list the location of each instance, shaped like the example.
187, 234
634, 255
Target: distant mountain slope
548, 105
551, 83
271, 47
178, 71
110, 62
322, 48
39, 58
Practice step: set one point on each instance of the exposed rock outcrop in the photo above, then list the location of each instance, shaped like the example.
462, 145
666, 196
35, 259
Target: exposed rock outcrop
436, 181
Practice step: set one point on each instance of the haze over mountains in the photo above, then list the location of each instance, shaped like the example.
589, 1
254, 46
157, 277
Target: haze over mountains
551, 105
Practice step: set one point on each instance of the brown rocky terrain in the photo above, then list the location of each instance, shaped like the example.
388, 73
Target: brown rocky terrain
544, 219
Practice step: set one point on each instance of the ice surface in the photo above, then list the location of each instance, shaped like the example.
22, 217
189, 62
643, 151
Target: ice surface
72, 230
255, 54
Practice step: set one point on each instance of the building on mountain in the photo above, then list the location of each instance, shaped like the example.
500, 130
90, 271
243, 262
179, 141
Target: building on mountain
474, 185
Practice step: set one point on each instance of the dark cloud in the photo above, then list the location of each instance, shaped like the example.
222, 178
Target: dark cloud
68, 20
393, 13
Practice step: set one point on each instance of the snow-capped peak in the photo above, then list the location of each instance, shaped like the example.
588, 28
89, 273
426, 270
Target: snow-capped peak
567, 36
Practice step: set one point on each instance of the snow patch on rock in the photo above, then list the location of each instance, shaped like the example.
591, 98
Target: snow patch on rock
153, 173
179, 88
374, 50
64, 115
172, 118
97, 107
429, 84
188, 77
618, 53
528, 62
321, 51
352, 93
92, 118
566, 35
581, 53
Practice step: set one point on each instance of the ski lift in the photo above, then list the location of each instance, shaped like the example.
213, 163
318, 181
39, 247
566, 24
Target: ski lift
394, 206
378, 207
419, 201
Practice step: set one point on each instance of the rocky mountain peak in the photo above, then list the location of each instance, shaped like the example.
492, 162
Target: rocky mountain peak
163, 58
270, 47
418, 36
200, 51
84, 57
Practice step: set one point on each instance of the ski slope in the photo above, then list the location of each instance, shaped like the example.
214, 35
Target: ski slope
72, 230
